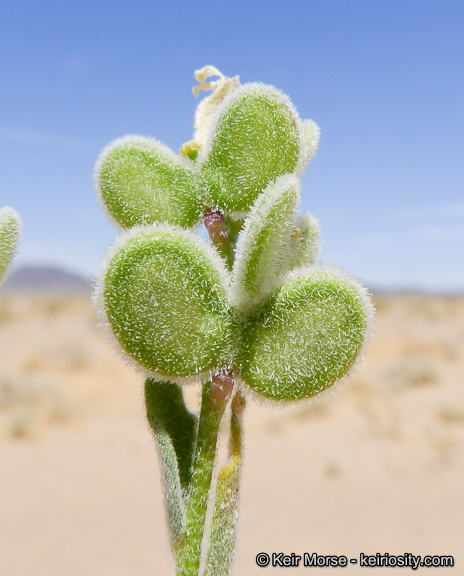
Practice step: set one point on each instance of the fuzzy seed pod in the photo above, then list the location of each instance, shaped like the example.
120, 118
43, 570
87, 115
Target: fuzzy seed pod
306, 336
140, 181
162, 294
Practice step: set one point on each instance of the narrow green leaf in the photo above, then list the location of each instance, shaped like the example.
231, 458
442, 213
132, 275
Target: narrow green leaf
256, 137
306, 336
174, 428
166, 411
10, 230
176, 507
304, 244
263, 246
141, 181
162, 294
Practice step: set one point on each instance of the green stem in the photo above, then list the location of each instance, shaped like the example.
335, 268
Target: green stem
234, 227
215, 395
236, 425
225, 516
213, 403
218, 232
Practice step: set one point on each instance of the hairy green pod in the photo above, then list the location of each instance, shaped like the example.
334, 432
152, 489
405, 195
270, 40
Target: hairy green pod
306, 336
10, 231
272, 324
254, 138
264, 243
163, 295
305, 243
141, 181
311, 135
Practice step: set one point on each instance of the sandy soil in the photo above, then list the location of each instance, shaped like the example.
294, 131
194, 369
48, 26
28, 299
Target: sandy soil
378, 467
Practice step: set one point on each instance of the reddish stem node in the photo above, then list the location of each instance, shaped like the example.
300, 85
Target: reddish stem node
222, 386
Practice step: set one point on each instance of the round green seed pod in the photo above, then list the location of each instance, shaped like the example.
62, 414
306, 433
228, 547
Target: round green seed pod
254, 137
307, 335
140, 181
162, 295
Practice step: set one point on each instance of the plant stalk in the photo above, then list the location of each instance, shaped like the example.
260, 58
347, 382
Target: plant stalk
216, 226
215, 396
214, 400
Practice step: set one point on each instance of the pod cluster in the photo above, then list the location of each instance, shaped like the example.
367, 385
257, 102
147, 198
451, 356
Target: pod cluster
287, 327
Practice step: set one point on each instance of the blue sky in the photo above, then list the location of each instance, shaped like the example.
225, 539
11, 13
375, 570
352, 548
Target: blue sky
384, 80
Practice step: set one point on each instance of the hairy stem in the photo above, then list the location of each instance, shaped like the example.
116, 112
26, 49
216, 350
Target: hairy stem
218, 232
213, 403
215, 396
225, 516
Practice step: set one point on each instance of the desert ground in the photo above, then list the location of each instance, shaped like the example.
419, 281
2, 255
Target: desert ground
376, 467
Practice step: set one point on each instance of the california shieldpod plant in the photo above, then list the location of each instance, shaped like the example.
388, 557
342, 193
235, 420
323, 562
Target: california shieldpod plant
249, 314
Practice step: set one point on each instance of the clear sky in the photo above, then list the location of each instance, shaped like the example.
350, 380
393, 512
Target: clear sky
383, 79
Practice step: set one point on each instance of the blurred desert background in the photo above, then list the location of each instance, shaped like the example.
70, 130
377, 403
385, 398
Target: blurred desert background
376, 467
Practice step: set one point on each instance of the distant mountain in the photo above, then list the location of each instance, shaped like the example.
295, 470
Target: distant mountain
43, 279
50, 279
